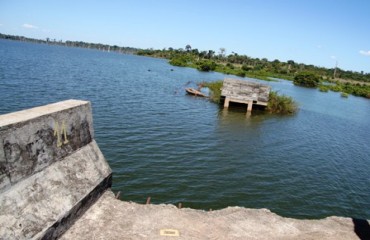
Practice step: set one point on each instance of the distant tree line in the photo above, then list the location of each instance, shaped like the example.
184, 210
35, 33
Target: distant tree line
98, 46
311, 80
243, 65
334, 79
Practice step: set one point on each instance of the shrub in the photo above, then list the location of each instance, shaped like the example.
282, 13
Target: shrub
215, 90
180, 61
306, 79
229, 65
247, 68
281, 104
336, 88
206, 65
324, 88
240, 73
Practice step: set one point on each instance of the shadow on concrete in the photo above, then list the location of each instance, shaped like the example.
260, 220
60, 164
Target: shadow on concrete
362, 228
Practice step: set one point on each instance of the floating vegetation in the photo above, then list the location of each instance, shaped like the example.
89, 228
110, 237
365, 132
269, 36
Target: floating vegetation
324, 88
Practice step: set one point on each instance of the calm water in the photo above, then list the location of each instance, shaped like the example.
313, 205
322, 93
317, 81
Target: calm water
177, 148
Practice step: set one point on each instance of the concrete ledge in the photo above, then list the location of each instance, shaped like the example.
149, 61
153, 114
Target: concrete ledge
110, 218
51, 169
12, 119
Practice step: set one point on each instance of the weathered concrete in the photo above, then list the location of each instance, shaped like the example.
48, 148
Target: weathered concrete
247, 92
33, 139
51, 169
53, 182
110, 218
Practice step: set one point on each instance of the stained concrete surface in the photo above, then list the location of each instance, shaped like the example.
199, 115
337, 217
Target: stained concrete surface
51, 169
110, 218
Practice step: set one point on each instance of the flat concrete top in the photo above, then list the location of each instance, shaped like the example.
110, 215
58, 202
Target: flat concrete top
245, 90
110, 218
28, 114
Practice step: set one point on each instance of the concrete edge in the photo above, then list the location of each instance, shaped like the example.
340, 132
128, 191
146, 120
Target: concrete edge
63, 224
10, 119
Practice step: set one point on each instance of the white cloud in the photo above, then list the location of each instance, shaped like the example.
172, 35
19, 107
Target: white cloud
29, 26
333, 57
366, 53
1, 25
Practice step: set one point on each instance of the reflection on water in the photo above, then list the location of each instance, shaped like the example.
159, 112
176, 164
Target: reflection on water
173, 147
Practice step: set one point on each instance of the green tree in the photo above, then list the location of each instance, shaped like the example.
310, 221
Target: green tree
307, 79
206, 65
179, 60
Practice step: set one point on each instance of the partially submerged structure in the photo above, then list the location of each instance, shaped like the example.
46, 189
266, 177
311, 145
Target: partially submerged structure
246, 92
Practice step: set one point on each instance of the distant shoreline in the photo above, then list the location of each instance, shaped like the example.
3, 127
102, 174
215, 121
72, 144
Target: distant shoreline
80, 44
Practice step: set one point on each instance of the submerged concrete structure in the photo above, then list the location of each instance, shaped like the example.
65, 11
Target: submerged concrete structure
246, 92
55, 183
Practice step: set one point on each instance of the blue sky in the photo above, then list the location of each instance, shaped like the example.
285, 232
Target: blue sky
312, 32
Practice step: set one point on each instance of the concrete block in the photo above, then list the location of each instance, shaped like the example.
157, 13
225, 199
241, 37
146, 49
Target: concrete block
51, 169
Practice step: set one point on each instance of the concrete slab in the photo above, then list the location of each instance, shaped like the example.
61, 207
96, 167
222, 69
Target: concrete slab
51, 169
110, 218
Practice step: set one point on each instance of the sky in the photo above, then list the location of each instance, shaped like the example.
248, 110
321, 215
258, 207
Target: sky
317, 32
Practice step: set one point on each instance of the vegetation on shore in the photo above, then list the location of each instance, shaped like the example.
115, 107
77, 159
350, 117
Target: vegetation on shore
306, 79
243, 65
279, 104
358, 89
357, 83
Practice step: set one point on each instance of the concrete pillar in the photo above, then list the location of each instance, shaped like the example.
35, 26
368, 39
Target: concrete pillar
250, 105
227, 101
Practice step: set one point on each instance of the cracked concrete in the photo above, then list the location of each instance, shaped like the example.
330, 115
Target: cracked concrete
110, 218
